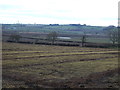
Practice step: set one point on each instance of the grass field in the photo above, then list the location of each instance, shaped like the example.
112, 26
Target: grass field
47, 66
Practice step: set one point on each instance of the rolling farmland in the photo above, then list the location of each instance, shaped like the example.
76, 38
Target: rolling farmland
49, 66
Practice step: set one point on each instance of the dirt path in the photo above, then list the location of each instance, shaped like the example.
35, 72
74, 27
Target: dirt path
58, 62
30, 52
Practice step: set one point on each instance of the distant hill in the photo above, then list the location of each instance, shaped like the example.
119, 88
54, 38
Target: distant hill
61, 29
74, 31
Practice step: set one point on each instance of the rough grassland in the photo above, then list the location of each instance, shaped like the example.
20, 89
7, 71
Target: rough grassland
27, 65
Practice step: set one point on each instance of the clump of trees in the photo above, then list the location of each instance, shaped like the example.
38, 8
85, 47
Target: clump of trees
15, 38
52, 36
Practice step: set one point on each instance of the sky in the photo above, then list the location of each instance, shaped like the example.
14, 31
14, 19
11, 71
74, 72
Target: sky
90, 12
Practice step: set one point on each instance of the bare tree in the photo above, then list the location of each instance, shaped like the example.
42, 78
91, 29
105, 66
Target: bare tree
83, 39
113, 35
118, 35
52, 37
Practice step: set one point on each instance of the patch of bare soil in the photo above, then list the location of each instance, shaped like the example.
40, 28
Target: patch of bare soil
106, 79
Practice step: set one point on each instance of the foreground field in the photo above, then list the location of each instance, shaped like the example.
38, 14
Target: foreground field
47, 66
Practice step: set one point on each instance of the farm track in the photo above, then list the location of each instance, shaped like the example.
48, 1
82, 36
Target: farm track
58, 54
29, 52
58, 62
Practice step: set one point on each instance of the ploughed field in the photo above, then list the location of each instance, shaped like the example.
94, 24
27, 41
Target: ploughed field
47, 66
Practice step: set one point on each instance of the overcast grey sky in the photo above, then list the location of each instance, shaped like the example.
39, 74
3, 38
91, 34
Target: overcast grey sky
90, 12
